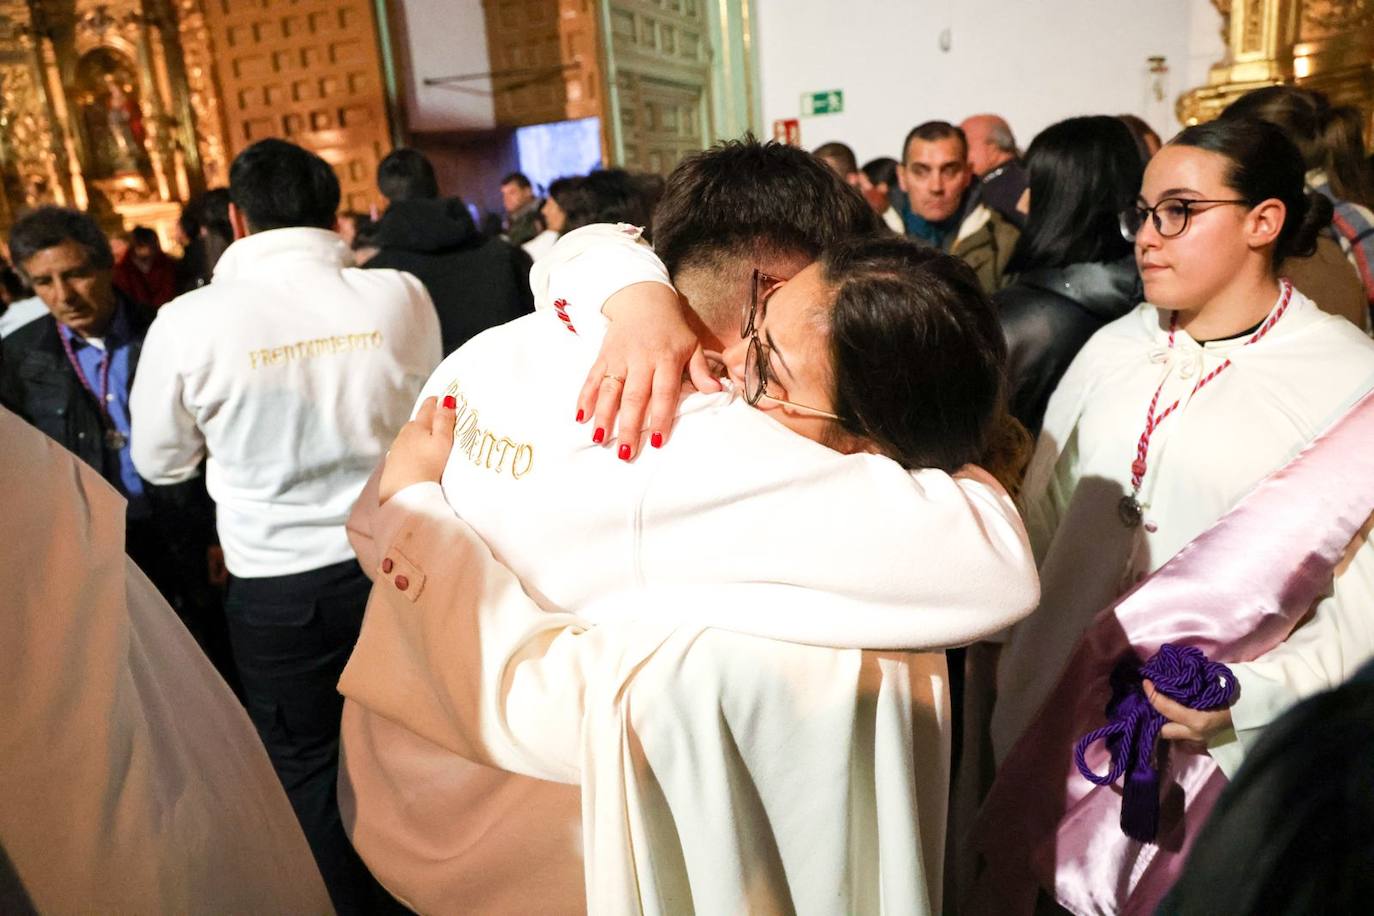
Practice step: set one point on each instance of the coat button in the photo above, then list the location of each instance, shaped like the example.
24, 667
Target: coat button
386, 565
402, 583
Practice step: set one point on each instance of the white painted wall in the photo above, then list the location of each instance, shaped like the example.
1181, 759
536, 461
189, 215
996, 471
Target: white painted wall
1033, 61
443, 38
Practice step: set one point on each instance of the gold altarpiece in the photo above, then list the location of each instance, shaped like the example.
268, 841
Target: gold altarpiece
1322, 44
129, 107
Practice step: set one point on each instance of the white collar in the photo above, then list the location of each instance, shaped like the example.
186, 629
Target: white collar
250, 255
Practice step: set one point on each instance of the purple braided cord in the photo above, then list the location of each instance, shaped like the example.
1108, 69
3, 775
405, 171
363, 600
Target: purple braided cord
1181, 673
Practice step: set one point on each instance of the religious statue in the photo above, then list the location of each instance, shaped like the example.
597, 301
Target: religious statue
114, 121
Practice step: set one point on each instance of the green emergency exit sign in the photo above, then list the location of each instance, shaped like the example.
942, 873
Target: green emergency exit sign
819, 103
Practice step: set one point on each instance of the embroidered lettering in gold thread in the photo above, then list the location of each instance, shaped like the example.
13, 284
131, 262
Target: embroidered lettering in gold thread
515, 469
320, 346
484, 448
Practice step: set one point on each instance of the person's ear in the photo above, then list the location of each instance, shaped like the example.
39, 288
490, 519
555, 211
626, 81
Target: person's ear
901, 178
1264, 222
238, 222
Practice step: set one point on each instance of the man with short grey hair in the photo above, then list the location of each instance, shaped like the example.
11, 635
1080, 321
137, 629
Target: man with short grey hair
993, 156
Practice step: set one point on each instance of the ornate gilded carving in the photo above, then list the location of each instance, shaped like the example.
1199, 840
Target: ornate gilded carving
1325, 44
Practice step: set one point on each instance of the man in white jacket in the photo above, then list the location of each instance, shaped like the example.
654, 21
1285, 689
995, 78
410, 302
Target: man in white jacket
292, 371
739, 524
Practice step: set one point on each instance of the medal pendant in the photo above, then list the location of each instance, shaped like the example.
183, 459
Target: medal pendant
115, 440
1129, 511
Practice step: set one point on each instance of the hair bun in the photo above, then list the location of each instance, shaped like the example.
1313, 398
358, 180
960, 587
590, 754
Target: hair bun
1315, 217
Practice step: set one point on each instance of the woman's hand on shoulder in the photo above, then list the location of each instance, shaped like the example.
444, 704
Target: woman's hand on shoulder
638, 376
421, 449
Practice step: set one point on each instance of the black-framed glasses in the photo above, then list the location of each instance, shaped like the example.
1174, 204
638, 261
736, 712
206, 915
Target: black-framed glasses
1170, 216
756, 370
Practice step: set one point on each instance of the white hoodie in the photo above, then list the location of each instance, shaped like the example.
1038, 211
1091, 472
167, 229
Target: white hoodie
293, 371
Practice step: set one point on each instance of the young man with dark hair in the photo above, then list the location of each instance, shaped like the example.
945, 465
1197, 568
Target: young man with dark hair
942, 210
476, 282
522, 208
291, 372
406, 174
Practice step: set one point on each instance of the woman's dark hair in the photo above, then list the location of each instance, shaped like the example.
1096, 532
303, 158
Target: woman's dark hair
1328, 138
917, 354
1265, 165
1293, 833
1082, 173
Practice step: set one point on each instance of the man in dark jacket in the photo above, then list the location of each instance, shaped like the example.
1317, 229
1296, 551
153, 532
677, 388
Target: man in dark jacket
476, 283
69, 374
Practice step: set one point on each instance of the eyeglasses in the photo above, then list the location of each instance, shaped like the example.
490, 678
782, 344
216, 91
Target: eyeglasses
1170, 216
756, 369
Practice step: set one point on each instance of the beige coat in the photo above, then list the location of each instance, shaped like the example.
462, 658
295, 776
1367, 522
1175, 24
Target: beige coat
131, 780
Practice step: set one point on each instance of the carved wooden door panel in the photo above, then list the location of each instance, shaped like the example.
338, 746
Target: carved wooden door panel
308, 71
544, 60
659, 53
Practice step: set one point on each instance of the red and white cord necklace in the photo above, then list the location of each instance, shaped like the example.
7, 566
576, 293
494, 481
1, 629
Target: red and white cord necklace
1130, 509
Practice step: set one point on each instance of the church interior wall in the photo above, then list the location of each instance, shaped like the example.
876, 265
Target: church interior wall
1033, 61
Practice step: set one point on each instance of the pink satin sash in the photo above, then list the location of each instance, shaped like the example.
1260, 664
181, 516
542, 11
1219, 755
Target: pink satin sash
1234, 592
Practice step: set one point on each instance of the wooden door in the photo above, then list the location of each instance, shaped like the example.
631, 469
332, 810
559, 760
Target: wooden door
308, 71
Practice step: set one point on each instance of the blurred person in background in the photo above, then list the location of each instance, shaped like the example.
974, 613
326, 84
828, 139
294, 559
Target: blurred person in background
522, 208
1333, 150
476, 282
146, 273
840, 157
996, 164
879, 186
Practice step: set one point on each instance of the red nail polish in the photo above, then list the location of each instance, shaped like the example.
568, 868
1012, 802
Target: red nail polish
450, 402
581, 415
656, 440
599, 434
624, 453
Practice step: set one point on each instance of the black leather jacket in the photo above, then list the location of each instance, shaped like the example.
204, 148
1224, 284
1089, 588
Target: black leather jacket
1048, 315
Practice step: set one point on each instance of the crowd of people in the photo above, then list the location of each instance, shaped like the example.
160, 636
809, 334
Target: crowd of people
779, 535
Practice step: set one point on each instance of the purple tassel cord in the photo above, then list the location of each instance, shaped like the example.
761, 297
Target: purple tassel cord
1181, 673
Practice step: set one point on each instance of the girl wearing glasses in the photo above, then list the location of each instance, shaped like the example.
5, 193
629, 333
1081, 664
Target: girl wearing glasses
1169, 415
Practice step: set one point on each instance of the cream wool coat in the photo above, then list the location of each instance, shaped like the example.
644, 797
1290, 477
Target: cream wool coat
131, 780
718, 772
1277, 395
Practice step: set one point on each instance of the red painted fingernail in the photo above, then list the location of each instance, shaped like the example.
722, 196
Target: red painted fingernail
450, 401
624, 453
656, 440
599, 434
581, 415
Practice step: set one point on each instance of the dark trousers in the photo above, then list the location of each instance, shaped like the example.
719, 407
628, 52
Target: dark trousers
291, 636
176, 563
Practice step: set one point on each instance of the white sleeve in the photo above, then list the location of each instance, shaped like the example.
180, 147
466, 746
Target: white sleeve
1320, 654
588, 266
455, 651
166, 445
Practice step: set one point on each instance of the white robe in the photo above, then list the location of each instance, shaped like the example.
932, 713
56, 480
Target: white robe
1275, 397
736, 523
131, 780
